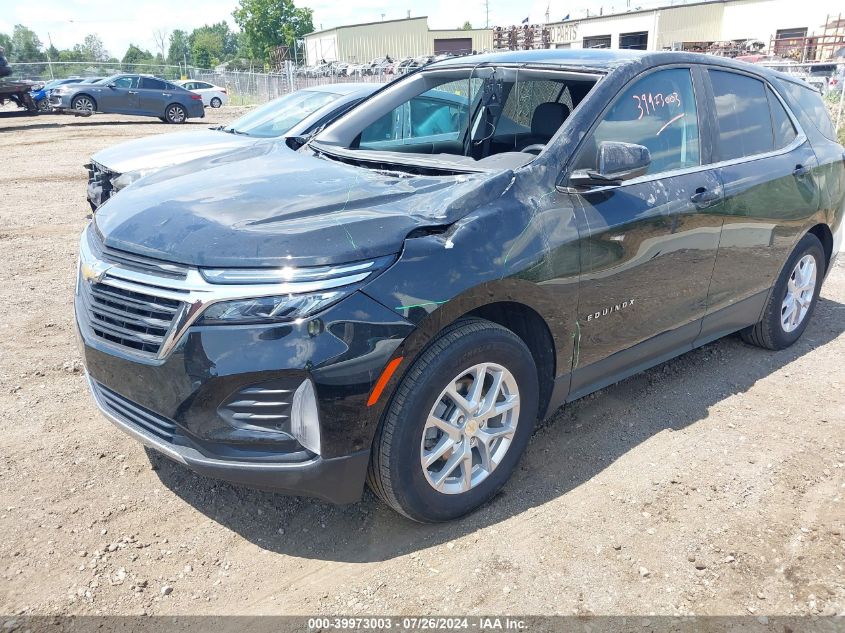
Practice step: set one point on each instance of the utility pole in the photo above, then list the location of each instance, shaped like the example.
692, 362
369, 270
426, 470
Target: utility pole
50, 61
487, 14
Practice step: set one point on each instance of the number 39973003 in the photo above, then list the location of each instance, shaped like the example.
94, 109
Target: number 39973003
650, 102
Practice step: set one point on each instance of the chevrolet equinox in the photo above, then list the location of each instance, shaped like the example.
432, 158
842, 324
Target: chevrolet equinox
479, 242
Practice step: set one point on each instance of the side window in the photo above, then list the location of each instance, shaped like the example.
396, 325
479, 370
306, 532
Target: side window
781, 124
440, 114
149, 83
742, 113
202, 86
811, 110
658, 112
188, 86
126, 82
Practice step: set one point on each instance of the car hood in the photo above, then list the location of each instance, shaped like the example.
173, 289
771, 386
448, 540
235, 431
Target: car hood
266, 205
164, 150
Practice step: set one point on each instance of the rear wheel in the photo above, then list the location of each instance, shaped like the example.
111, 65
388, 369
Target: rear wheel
175, 113
457, 423
216, 102
793, 298
83, 103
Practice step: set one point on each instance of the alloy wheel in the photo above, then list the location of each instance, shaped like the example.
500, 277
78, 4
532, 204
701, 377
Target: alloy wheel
84, 104
470, 428
800, 290
175, 114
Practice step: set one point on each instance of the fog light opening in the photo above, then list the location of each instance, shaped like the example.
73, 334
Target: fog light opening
305, 421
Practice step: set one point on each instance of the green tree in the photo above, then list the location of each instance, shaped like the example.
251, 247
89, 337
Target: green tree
6, 43
25, 46
467, 26
270, 23
136, 55
207, 48
180, 48
94, 50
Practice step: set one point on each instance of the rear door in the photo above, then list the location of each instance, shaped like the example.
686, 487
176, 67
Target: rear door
154, 96
648, 245
766, 166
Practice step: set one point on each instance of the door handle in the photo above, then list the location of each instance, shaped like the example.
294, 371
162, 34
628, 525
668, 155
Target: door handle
165, 94
800, 171
704, 197
132, 92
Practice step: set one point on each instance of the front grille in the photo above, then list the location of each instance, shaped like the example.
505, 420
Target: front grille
127, 318
102, 178
126, 410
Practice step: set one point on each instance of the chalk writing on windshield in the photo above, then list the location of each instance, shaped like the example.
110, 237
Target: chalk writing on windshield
650, 102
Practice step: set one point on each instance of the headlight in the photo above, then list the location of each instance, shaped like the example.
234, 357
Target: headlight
124, 180
301, 291
269, 309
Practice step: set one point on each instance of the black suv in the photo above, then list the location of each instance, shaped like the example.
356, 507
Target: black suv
474, 245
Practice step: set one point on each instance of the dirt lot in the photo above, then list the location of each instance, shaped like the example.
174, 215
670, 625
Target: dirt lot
713, 484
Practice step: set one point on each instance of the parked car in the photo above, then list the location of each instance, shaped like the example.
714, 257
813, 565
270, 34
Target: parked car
130, 94
404, 313
42, 93
213, 96
295, 114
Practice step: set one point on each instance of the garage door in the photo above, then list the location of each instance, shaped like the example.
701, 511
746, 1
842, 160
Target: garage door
457, 45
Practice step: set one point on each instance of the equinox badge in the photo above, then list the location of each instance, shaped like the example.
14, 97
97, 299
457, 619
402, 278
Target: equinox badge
608, 310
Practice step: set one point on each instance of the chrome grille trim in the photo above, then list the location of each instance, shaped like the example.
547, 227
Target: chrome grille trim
179, 299
132, 261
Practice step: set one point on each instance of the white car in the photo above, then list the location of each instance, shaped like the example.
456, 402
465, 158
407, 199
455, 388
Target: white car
212, 95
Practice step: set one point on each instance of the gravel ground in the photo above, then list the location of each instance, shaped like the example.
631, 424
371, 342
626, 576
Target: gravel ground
712, 484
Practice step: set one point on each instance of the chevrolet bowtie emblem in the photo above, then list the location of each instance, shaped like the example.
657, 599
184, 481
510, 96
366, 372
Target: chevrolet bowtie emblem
95, 271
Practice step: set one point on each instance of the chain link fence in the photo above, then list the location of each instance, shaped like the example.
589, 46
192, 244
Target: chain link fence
243, 87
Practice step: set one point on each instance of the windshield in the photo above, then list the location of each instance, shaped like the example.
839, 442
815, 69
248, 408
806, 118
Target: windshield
460, 114
278, 117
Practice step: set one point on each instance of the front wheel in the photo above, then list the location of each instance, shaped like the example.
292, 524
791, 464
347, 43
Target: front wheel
83, 103
793, 298
43, 106
175, 113
457, 424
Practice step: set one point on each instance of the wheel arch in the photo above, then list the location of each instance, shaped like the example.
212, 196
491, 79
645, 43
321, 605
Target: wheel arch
825, 235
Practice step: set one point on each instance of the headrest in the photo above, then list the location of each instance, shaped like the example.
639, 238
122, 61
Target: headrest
547, 118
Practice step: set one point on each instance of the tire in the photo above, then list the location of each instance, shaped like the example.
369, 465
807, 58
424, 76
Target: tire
44, 106
83, 103
216, 102
175, 113
405, 438
778, 329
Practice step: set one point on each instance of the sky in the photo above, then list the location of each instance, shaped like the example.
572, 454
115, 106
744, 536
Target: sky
119, 23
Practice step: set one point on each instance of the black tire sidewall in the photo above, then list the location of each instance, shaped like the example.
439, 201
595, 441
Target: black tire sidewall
419, 500
77, 98
809, 245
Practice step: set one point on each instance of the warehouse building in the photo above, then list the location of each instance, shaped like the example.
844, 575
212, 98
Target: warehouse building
813, 29
408, 37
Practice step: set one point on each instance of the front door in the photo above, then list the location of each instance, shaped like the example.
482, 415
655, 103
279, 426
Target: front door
647, 246
120, 96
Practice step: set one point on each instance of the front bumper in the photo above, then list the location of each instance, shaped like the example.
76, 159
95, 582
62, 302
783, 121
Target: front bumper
338, 480
195, 403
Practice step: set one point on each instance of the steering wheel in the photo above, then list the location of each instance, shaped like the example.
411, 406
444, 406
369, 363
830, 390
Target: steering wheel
535, 149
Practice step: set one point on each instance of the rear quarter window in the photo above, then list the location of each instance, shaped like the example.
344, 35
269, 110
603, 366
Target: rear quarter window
812, 109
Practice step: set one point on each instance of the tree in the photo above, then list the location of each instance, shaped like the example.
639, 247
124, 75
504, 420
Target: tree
93, 49
270, 23
25, 46
161, 37
207, 48
136, 55
467, 26
180, 49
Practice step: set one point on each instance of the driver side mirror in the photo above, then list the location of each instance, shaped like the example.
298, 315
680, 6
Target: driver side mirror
111, 85
617, 162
